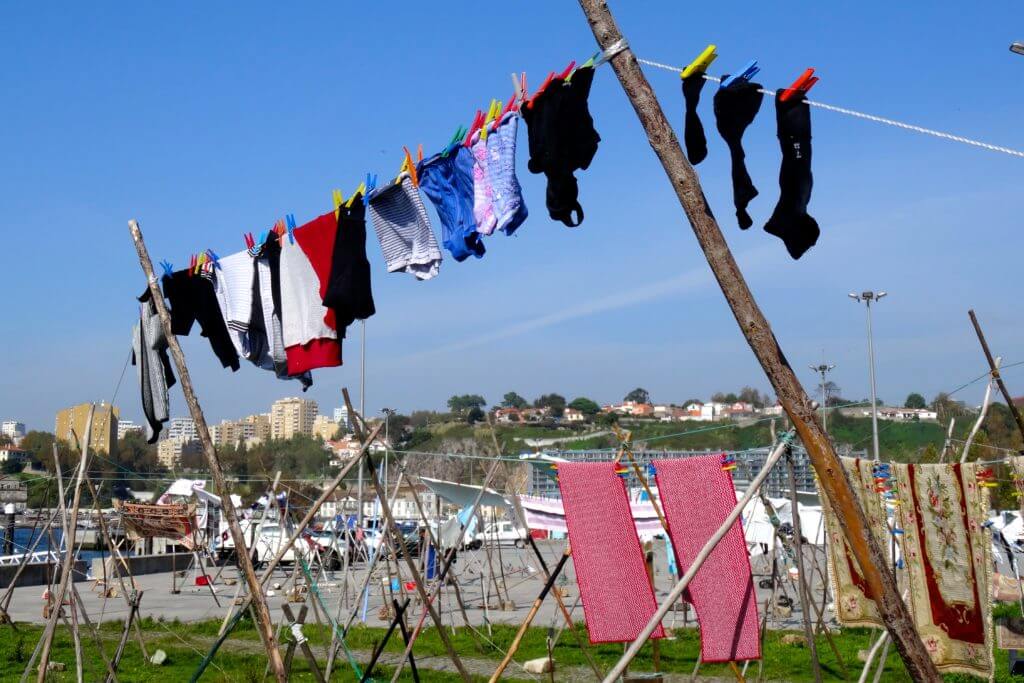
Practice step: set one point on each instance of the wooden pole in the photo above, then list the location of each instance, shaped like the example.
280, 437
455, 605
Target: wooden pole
70, 531
264, 622
529, 617
798, 546
755, 328
994, 367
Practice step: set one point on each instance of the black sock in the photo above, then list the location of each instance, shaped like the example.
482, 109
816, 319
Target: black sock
693, 129
735, 109
790, 220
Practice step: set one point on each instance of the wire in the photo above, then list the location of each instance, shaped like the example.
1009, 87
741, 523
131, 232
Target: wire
867, 117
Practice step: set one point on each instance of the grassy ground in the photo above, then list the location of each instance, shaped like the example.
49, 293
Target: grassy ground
240, 659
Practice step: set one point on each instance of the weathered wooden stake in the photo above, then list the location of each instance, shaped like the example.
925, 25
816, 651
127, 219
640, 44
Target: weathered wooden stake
870, 556
994, 367
262, 612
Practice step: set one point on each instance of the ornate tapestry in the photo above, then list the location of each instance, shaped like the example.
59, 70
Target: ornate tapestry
175, 521
854, 603
948, 556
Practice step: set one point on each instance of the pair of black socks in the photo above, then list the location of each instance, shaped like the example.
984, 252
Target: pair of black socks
735, 107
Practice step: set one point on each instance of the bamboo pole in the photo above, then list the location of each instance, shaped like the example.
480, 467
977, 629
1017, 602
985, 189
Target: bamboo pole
994, 367
264, 623
71, 530
755, 328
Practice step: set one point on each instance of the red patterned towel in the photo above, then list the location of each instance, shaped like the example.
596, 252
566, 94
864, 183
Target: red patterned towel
696, 496
617, 597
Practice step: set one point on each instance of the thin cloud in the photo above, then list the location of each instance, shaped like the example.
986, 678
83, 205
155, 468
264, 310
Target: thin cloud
692, 280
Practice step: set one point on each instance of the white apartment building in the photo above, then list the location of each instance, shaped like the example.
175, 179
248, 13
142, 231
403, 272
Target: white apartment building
183, 428
342, 418
13, 428
125, 426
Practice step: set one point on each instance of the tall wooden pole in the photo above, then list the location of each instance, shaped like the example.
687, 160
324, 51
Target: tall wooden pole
994, 368
870, 556
259, 601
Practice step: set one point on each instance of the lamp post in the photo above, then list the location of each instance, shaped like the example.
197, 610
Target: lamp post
867, 298
821, 370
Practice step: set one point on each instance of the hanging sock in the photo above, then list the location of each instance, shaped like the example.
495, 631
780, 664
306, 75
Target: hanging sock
735, 109
693, 129
790, 220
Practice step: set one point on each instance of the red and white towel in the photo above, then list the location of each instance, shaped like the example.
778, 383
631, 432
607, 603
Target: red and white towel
617, 597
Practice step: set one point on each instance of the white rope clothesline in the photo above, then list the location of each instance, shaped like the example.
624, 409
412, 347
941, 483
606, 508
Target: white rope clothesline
865, 116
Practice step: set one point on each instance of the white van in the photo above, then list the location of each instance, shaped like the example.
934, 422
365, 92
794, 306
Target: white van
503, 533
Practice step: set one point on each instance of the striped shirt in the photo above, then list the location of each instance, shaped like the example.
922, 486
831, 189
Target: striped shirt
232, 283
402, 226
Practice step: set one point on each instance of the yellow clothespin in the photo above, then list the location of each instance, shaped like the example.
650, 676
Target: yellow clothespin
200, 262
339, 199
701, 64
487, 121
359, 190
411, 167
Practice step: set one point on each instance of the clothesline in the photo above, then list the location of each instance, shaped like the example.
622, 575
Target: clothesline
867, 117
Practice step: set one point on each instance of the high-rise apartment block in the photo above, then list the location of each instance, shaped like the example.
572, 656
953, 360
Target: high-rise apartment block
12, 428
183, 428
342, 418
71, 422
291, 416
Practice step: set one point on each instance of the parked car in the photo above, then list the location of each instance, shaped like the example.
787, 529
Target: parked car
503, 533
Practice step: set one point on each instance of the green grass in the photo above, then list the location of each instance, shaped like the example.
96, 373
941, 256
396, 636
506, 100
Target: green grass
241, 657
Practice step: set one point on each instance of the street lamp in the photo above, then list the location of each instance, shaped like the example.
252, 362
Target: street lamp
1017, 47
867, 298
822, 369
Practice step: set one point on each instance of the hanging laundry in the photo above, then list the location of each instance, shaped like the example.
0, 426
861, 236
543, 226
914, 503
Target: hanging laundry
693, 129
309, 340
233, 285
149, 356
948, 555
448, 181
266, 314
316, 239
697, 496
348, 291
509, 208
736, 105
403, 229
193, 299
854, 600
562, 140
483, 191
790, 220
617, 596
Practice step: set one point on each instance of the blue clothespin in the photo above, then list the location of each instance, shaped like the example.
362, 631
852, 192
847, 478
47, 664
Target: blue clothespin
371, 184
290, 223
168, 268
750, 70
213, 258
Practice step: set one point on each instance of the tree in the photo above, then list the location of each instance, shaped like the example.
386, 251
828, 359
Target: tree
513, 400
691, 401
6, 441
474, 415
462, 404
914, 400
555, 403
752, 396
585, 406
833, 393
639, 395
719, 397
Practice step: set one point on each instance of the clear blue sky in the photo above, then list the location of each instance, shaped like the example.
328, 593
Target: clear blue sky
208, 120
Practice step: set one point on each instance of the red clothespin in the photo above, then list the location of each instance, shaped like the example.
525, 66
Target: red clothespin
192, 263
477, 122
543, 86
802, 84
568, 70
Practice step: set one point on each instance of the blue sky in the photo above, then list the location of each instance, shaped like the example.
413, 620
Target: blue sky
204, 121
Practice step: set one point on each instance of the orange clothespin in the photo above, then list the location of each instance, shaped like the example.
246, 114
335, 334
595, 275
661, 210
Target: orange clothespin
802, 84
411, 167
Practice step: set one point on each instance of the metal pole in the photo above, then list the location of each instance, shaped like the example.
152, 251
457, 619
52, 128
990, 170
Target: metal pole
821, 370
874, 398
362, 411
